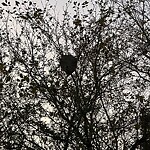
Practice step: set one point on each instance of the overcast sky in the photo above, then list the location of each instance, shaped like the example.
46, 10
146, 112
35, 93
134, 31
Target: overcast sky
61, 4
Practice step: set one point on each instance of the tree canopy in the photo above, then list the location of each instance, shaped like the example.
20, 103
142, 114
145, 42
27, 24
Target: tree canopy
104, 104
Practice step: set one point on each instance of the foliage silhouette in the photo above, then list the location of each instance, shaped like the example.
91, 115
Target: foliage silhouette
68, 63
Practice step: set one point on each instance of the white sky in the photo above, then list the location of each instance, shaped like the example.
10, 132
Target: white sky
61, 4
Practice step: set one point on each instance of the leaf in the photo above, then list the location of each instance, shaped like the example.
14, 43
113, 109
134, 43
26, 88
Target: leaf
85, 3
8, 78
74, 16
30, 3
1, 85
33, 90
24, 17
17, 3
26, 78
4, 4
57, 83
75, 2
137, 126
21, 94
140, 98
77, 22
20, 85
21, 75
1, 67
18, 80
